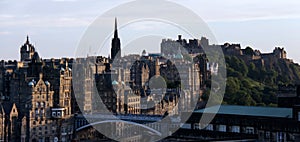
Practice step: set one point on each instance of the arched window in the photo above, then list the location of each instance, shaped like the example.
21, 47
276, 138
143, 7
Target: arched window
53, 114
42, 112
42, 104
36, 112
58, 114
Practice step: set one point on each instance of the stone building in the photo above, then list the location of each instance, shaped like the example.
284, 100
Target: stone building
31, 89
139, 73
192, 46
40, 126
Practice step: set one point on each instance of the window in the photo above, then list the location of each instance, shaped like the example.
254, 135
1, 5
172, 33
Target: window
36, 111
222, 128
267, 135
42, 112
235, 129
210, 127
249, 130
53, 114
196, 126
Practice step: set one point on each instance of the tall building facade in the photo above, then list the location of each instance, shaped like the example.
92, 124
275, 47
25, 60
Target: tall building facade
36, 95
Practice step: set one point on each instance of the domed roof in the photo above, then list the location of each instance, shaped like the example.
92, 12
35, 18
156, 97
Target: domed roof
47, 83
62, 69
178, 56
115, 82
144, 53
31, 83
28, 46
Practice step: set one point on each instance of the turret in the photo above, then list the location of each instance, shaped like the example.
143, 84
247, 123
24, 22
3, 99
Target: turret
27, 50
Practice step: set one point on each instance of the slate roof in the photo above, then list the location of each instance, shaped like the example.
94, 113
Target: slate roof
249, 111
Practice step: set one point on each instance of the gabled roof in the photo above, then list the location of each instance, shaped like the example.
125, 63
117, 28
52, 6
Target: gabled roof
14, 110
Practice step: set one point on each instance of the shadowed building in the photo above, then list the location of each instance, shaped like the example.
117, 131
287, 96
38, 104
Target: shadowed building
32, 89
115, 44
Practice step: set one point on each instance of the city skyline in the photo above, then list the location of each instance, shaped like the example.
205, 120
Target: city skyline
185, 84
261, 25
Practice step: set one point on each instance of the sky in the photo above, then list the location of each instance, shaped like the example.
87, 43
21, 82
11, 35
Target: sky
56, 27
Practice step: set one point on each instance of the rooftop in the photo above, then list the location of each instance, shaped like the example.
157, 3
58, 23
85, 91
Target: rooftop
249, 111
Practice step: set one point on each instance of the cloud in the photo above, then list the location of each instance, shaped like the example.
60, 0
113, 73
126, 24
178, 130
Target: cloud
6, 16
64, 0
5, 33
246, 10
49, 21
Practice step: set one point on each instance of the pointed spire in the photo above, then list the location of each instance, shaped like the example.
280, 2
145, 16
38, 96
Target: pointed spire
116, 28
27, 39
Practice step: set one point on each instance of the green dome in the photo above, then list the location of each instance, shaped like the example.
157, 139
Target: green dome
178, 56
115, 82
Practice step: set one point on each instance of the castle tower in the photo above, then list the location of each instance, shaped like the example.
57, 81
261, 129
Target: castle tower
116, 44
27, 50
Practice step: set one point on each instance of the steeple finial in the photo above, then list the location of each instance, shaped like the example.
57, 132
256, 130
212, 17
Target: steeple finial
116, 28
27, 39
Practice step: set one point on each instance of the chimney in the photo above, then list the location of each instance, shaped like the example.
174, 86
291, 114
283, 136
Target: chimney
179, 37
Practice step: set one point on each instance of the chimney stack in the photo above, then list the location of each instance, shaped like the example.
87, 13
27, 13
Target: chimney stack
179, 37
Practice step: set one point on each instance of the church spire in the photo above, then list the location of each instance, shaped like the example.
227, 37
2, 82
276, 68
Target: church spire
116, 44
116, 28
27, 39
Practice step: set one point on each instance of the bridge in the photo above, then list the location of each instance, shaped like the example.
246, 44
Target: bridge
114, 121
123, 126
90, 121
82, 120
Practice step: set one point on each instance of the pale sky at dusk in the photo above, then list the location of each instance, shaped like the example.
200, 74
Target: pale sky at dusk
56, 26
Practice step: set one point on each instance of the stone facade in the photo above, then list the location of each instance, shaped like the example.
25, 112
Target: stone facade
30, 89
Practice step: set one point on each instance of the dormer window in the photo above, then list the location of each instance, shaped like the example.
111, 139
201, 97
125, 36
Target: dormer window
53, 114
57, 112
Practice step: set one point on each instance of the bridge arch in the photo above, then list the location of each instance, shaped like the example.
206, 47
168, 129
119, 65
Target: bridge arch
128, 122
